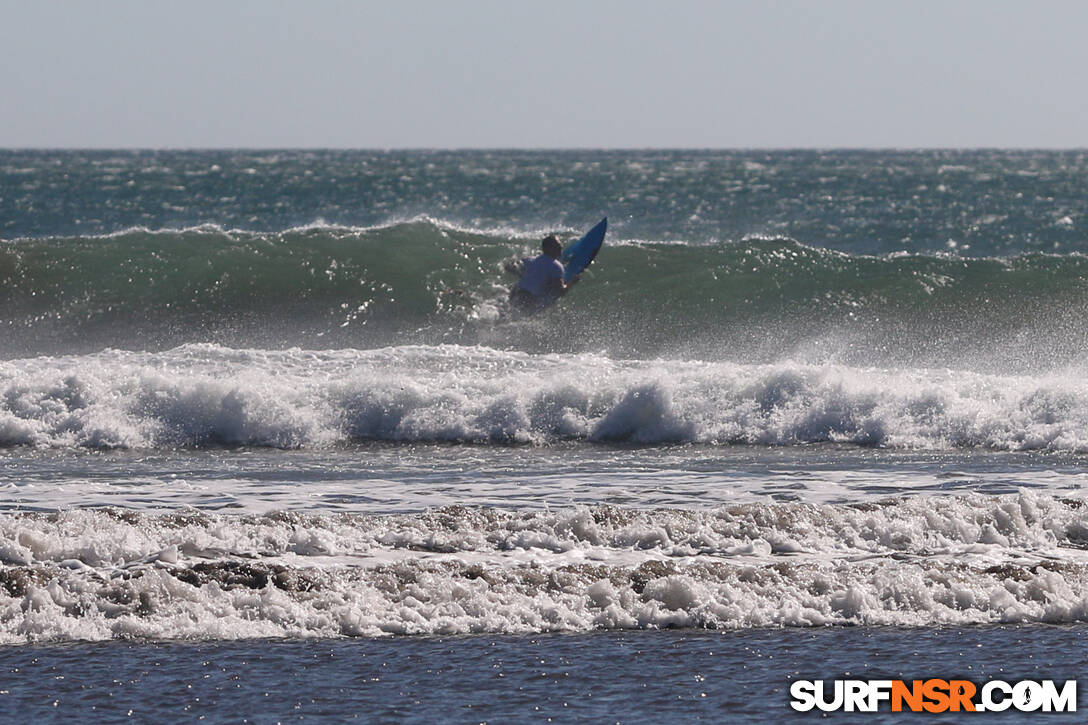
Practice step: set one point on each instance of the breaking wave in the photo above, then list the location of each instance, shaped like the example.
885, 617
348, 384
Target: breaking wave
429, 282
204, 395
108, 573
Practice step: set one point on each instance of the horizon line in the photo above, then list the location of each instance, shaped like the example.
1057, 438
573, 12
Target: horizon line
541, 149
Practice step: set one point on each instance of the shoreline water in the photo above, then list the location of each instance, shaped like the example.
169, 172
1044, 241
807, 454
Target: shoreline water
739, 676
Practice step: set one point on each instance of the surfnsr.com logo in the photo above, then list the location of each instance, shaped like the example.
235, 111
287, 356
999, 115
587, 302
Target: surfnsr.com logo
933, 695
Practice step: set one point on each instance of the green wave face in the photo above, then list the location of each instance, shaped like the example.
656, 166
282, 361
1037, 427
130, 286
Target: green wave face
168, 287
426, 282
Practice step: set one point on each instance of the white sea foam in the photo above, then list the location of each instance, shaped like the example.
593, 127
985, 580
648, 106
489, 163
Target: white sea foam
321, 225
203, 394
101, 574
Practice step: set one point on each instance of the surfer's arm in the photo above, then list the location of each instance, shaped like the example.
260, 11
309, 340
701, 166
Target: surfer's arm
558, 288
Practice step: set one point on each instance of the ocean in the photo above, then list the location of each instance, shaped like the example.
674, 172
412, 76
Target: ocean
273, 446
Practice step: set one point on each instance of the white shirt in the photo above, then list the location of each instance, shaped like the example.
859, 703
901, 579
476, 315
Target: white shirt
538, 274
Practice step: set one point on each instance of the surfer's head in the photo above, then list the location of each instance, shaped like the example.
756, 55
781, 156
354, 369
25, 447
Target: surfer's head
551, 246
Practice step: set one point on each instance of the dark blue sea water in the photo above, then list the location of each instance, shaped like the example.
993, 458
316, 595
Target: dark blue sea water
271, 437
641, 677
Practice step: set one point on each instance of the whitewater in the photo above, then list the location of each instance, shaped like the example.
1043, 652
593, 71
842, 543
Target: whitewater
208, 395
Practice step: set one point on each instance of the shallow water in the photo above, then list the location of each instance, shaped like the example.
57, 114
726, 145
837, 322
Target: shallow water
737, 677
382, 478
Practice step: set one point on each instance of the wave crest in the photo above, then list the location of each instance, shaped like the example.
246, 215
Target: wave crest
428, 282
203, 395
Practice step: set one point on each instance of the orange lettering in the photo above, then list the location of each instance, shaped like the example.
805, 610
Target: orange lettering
937, 692
961, 692
912, 695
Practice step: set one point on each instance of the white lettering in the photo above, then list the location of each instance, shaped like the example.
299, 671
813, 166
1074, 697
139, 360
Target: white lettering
804, 695
855, 697
993, 696
989, 704
1065, 701
821, 697
879, 690
1027, 696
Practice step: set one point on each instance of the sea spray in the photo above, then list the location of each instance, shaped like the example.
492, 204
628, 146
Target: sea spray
428, 282
205, 395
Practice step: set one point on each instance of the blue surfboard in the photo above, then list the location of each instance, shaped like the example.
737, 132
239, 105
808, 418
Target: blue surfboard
576, 257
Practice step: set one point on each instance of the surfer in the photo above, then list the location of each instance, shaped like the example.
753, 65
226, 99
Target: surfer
541, 281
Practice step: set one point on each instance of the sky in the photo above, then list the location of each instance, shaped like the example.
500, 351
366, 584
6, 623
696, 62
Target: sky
556, 74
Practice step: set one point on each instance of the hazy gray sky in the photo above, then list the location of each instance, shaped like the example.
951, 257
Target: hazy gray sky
562, 73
